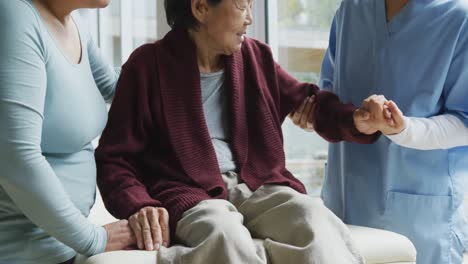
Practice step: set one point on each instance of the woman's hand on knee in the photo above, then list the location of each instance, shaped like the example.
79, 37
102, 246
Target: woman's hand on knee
119, 236
151, 227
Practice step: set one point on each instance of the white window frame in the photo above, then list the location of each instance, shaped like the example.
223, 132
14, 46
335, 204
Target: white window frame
271, 21
258, 29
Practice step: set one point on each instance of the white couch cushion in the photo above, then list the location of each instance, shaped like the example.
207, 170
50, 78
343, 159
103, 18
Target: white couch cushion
377, 246
120, 257
380, 246
391, 248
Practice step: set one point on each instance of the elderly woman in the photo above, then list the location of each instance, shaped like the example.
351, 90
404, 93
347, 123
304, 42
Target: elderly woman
414, 180
193, 150
53, 83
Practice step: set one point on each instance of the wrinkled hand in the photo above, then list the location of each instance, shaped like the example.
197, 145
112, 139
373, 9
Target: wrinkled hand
119, 236
151, 228
373, 115
300, 116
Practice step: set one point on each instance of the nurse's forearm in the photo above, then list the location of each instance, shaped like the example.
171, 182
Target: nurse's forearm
438, 132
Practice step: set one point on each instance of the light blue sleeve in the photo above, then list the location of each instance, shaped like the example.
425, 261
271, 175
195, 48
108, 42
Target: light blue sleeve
104, 74
26, 176
328, 64
456, 83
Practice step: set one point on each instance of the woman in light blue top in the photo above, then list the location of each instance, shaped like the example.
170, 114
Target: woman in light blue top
53, 87
416, 54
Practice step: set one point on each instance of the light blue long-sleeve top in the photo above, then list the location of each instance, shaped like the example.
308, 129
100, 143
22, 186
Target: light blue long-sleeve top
420, 60
50, 111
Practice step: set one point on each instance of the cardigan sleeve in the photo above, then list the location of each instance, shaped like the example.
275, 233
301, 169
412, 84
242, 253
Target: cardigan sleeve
332, 119
123, 142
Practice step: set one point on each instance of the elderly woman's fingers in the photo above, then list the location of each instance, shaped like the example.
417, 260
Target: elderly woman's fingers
151, 227
361, 114
309, 125
135, 225
296, 118
153, 219
306, 113
362, 122
164, 223
379, 112
378, 98
375, 100
146, 230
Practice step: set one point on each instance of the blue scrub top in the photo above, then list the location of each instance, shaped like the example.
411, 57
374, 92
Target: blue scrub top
420, 60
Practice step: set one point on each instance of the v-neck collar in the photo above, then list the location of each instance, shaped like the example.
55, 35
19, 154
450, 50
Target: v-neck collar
401, 19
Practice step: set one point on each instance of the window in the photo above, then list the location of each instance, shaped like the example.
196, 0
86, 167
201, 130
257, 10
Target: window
125, 25
298, 32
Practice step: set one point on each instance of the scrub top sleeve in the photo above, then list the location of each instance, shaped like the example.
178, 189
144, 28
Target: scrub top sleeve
26, 176
456, 84
328, 64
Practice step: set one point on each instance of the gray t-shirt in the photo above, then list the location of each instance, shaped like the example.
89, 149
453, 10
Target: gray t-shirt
215, 108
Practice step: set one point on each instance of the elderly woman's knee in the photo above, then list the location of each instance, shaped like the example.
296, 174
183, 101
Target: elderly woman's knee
209, 210
299, 204
212, 218
217, 225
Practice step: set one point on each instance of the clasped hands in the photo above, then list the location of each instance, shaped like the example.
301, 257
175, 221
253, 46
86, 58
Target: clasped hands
375, 114
148, 228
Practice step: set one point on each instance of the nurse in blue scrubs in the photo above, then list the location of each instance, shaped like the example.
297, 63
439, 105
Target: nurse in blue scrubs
416, 54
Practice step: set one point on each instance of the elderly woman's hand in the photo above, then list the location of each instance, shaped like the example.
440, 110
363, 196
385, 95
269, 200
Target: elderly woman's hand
368, 117
376, 113
300, 116
151, 227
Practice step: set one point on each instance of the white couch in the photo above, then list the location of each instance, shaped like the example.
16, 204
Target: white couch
377, 246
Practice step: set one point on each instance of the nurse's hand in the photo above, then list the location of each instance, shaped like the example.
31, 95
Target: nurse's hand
300, 116
399, 120
151, 228
119, 236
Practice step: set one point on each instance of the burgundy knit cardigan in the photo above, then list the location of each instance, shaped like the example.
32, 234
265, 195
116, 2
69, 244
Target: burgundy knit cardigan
156, 149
